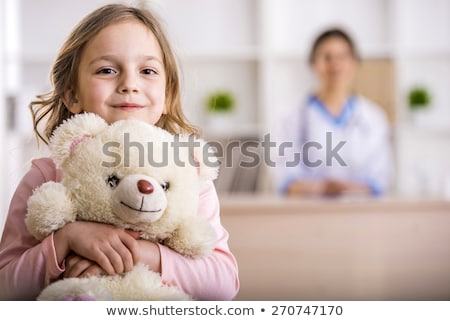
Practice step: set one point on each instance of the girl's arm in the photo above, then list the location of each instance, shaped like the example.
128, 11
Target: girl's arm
26, 265
214, 277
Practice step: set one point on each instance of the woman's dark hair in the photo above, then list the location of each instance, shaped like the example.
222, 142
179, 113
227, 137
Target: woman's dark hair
333, 33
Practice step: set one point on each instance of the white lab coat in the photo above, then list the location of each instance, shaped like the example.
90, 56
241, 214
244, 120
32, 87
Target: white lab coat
355, 146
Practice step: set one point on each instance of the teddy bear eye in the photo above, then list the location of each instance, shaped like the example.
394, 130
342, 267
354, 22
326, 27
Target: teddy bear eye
165, 186
112, 181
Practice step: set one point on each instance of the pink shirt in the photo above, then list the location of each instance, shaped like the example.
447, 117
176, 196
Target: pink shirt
27, 265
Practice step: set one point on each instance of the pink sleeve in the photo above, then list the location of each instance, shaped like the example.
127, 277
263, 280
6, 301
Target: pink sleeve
26, 265
214, 277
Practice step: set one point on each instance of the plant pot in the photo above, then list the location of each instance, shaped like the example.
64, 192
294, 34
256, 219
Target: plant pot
420, 117
220, 122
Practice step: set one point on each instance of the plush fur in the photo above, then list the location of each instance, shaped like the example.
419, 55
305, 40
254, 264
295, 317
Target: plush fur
113, 174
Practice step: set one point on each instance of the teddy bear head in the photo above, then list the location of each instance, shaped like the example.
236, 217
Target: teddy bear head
131, 174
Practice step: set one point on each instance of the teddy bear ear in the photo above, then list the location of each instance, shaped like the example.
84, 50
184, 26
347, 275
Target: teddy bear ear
72, 132
205, 160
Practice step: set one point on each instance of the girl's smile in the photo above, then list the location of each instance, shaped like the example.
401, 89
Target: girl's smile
127, 106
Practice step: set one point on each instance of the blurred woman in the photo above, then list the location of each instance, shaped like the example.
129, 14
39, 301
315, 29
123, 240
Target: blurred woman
340, 140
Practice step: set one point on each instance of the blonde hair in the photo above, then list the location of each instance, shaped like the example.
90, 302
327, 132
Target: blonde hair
64, 73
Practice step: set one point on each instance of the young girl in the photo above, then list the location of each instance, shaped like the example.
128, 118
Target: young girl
118, 64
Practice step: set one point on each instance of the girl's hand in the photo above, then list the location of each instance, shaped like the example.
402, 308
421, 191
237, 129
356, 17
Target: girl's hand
112, 248
79, 267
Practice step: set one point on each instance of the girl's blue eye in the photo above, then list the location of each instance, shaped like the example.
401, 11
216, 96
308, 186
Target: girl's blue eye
148, 71
108, 71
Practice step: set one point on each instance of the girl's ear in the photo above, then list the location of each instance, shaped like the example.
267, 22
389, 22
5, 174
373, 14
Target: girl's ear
70, 100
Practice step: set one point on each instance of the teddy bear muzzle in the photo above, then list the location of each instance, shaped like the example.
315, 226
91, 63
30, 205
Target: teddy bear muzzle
139, 198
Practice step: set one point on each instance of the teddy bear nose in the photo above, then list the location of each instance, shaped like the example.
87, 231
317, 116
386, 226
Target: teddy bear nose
144, 186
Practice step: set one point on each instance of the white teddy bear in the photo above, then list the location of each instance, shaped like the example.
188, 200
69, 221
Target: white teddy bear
132, 175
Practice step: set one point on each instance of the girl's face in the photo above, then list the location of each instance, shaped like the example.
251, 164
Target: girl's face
334, 63
121, 75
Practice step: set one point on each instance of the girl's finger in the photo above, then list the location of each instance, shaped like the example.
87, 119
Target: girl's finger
136, 235
77, 269
92, 270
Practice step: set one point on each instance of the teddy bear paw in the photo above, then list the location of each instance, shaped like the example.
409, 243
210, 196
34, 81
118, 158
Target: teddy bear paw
76, 289
83, 297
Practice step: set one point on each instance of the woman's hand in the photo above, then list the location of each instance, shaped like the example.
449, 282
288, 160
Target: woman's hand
336, 188
113, 249
328, 188
333, 188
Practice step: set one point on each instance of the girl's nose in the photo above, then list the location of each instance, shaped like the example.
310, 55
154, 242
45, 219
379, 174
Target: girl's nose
128, 89
128, 84
145, 187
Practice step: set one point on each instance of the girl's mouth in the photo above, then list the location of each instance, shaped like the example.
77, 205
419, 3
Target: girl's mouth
128, 106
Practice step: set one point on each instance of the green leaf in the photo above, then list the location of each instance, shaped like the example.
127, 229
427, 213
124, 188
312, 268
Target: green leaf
220, 101
418, 97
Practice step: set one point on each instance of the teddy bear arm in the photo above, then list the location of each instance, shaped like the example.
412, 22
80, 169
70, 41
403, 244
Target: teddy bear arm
48, 209
76, 289
194, 237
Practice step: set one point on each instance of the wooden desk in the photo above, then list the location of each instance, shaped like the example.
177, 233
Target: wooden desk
339, 250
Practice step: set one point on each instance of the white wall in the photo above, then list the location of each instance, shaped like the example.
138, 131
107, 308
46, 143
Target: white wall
258, 49
3, 184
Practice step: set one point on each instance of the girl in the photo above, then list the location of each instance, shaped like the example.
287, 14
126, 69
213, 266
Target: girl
334, 120
118, 64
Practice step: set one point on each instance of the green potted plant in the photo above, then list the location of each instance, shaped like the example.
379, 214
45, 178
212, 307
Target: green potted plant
418, 98
220, 105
